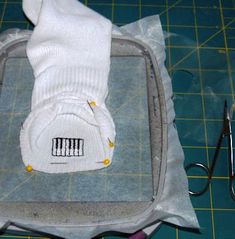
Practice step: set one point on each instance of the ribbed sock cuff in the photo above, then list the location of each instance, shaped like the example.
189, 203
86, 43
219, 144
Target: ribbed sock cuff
81, 82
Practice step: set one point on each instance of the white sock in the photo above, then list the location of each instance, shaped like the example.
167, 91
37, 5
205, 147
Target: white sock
69, 128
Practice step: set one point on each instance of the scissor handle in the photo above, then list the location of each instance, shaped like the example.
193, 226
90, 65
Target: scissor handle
208, 173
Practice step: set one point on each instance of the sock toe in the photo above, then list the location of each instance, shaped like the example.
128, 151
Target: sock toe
56, 140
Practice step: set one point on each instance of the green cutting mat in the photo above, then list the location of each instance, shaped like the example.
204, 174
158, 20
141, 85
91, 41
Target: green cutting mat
201, 61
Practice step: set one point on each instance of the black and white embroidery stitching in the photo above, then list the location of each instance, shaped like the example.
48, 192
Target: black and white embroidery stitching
67, 147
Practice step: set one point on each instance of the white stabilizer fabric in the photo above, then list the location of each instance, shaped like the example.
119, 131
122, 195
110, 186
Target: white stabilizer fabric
70, 54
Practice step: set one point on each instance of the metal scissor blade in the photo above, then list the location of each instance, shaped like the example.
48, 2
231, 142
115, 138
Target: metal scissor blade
226, 121
227, 132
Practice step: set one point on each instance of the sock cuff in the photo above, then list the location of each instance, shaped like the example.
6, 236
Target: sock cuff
86, 83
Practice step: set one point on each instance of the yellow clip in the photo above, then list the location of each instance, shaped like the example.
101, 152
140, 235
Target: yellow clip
29, 168
92, 103
106, 162
111, 144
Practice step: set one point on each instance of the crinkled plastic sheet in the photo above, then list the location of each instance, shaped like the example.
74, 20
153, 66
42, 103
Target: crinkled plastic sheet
188, 78
202, 83
174, 205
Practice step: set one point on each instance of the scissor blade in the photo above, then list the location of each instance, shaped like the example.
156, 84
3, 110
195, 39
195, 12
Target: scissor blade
227, 121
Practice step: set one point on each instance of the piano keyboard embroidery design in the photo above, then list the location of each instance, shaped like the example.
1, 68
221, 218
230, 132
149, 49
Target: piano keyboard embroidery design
67, 147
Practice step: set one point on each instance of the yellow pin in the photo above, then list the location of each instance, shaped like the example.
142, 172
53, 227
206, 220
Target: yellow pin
111, 144
106, 162
92, 103
29, 168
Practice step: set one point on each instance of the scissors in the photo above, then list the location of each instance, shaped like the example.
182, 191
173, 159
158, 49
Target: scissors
225, 133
